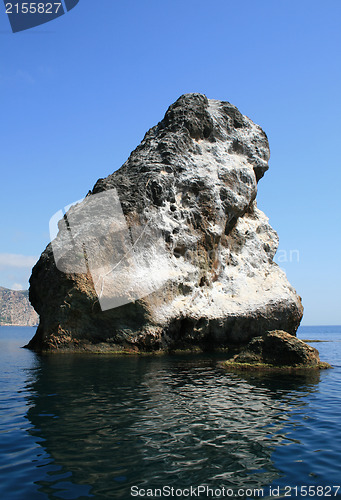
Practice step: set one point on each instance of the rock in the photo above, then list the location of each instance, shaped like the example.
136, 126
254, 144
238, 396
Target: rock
15, 308
276, 349
203, 252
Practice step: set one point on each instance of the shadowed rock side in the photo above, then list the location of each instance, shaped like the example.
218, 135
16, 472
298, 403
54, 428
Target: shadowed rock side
194, 179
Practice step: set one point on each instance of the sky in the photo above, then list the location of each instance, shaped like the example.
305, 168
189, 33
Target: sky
79, 93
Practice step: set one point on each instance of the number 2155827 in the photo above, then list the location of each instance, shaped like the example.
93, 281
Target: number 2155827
33, 8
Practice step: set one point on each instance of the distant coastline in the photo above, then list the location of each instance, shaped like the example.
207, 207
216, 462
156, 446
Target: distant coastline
15, 308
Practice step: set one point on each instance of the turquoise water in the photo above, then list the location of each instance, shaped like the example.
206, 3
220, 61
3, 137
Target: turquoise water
79, 427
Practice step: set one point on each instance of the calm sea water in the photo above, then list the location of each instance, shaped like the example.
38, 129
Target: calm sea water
78, 427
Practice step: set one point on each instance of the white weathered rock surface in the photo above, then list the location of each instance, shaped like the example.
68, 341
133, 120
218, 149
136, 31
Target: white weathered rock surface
192, 180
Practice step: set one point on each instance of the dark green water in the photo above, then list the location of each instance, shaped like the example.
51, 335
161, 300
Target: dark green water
77, 427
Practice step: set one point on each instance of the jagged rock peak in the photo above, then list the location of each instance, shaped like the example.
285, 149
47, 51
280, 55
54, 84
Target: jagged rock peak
190, 120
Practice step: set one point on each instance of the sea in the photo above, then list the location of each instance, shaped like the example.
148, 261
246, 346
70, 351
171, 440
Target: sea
75, 426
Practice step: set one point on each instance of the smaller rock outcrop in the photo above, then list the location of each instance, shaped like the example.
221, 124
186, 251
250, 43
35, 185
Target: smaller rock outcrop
15, 308
276, 350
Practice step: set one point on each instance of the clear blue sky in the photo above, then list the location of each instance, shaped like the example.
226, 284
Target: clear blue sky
79, 93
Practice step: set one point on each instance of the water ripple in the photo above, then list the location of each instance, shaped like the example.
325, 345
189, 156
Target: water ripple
91, 427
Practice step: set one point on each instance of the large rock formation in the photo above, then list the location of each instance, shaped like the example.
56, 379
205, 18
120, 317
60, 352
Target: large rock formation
193, 180
15, 308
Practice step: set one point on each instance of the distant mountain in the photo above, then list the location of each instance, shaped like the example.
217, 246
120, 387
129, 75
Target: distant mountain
15, 308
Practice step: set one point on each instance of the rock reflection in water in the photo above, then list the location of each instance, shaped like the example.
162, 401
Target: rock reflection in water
113, 422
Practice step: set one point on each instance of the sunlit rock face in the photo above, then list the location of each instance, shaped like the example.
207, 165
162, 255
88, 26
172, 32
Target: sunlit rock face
198, 269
